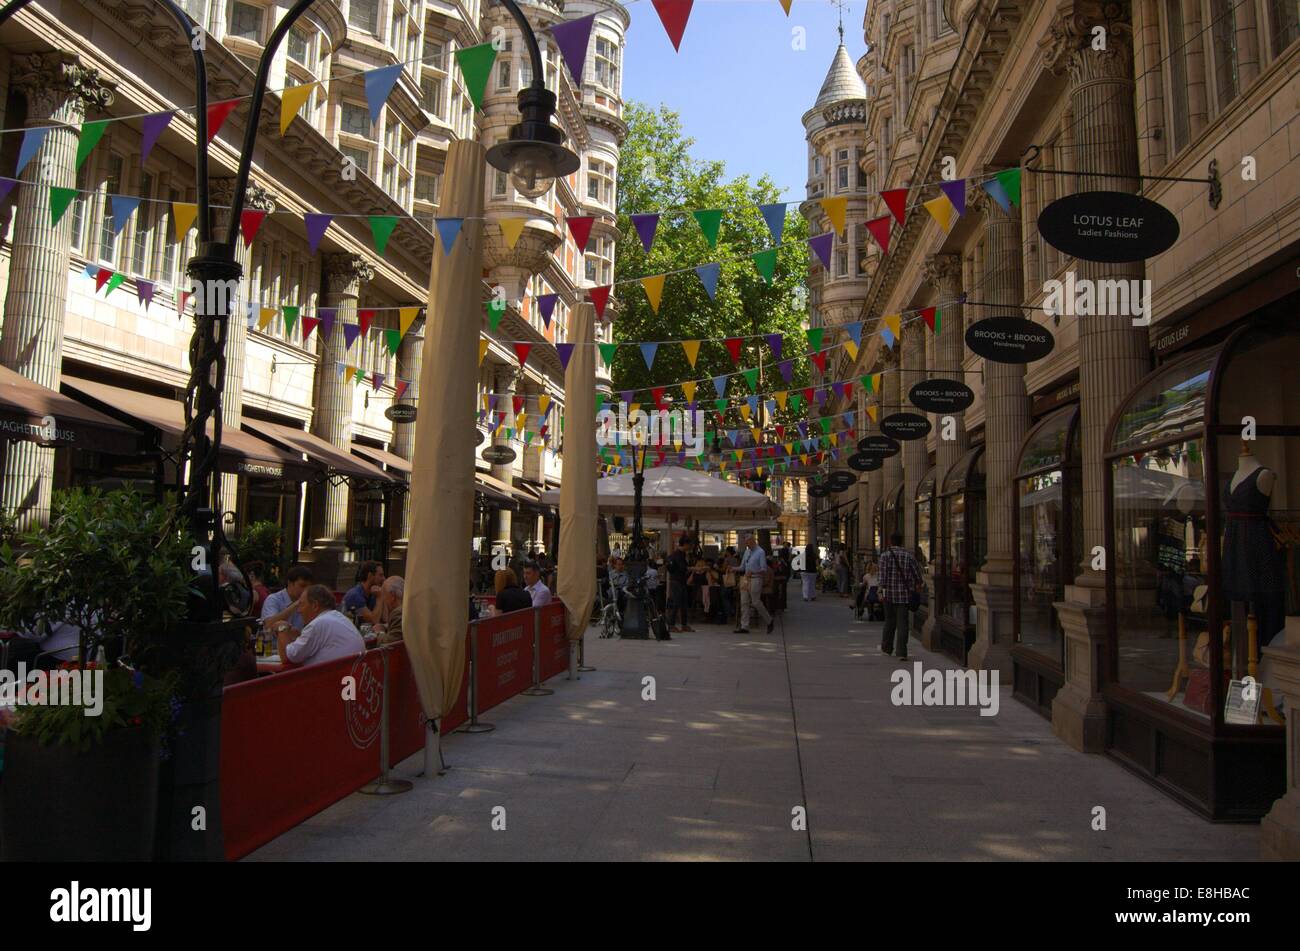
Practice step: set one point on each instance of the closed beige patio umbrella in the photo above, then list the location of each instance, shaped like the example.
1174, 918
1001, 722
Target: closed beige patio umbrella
578, 511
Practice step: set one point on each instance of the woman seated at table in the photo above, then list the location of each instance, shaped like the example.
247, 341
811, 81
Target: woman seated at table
510, 596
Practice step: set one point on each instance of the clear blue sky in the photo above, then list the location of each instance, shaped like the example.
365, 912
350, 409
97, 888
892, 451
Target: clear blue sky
739, 84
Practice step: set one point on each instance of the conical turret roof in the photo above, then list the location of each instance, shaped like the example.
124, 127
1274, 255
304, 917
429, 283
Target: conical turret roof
842, 82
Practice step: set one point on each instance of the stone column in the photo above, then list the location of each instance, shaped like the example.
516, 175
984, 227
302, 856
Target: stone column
1247, 42
503, 384
232, 393
332, 421
915, 457
1113, 354
58, 91
1006, 420
410, 358
889, 404
866, 498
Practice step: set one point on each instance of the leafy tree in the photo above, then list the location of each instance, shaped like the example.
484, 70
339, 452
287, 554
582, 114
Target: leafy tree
657, 173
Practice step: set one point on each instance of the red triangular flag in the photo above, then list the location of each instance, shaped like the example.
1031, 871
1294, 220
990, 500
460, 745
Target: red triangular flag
819, 358
848, 390
101, 276
808, 396
249, 222
580, 228
600, 297
400, 388
181, 302
674, 14
218, 112
879, 228
733, 347
518, 403
928, 315
308, 325
657, 393
521, 352
896, 202
364, 317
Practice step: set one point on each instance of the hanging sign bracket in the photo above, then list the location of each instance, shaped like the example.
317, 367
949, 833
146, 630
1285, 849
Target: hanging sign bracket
1032, 152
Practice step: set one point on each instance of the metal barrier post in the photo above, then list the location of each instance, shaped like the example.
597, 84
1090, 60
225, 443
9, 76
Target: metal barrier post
473, 726
384, 786
582, 655
537, 690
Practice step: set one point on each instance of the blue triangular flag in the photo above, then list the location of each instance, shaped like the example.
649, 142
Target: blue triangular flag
32, 141
733, 436
720, 384
753, 403
855, 331
448, 229
648, 354
998, 194
123, 207
709, 277
774, 215
379, 83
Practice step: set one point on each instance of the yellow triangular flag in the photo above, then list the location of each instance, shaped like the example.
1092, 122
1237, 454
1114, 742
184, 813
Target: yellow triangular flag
265, 316
780, 398
405, 317
942, 211
654, 290
835, 439
183, 215
482, 351
688, 388
803, 458
521, 421
893, 322
754, 431
291, 101
543, 403
692, 350
349, 373
789, 449
835, 209
633, 408
851, 349
875, 382
873, 411
785, 5
744, 410
512, 228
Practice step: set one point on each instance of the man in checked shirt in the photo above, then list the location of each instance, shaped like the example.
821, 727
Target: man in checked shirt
900, 578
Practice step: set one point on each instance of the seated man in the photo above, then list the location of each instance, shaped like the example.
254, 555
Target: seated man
283, 605
533, 584
361, 598
326, 636
391, 597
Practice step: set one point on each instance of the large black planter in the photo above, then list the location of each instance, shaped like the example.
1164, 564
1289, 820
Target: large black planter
190, 782
61, 805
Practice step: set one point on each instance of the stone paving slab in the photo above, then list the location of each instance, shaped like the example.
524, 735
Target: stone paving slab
744, 729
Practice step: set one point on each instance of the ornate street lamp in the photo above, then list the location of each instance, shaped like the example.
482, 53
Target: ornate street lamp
533, 154
636, 624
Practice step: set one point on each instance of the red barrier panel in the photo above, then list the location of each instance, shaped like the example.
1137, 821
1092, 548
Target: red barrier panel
554, 654
505, 657
291, 745
407, 721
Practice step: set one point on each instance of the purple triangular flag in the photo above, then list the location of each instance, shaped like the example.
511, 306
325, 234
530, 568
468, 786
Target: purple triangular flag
316, 226
546, 304
573, 37
32, 139
956, 192
839, 389
6, 186
774, 215
327, 315
565, 350
492, 400
775, 341
822, 245
821, 396
626, 395
350, 334
645, 227
379, 83
787, 369
151, 127
803, 429
144, 292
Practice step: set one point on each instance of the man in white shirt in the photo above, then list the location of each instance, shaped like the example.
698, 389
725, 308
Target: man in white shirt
753, 566
283, 605
534, 586
327, 634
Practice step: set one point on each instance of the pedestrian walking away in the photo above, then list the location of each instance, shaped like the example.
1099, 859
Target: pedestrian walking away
900, 579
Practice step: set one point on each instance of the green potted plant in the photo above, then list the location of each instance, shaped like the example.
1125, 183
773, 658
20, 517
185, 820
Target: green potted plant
81, 780
262, 543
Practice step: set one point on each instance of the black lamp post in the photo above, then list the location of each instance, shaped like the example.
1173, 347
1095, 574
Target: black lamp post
636, 624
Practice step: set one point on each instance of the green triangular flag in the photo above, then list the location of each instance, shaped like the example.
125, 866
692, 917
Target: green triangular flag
91, 133
709, 220
751, 377
796, 401
60, 199
815, 338
475, 64
381, 229
290, 315
360, 376
866, 383
607, 351
1009, 178
496, 309
114, 282
394, 340
600, 404
826, 424
765, 261
938, 320
720, 405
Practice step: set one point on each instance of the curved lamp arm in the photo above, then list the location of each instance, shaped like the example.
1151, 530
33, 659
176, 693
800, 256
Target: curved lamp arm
530, 41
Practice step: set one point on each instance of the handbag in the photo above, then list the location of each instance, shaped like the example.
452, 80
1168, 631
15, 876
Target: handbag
1197, 695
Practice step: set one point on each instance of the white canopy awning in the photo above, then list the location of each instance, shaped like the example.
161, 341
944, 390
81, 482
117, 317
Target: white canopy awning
671, 491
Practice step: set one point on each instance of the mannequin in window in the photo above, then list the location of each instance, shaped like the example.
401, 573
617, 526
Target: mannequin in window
1253, 570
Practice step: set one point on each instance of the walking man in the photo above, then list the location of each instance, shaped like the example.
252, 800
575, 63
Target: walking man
753, 566
808, 576
900, 579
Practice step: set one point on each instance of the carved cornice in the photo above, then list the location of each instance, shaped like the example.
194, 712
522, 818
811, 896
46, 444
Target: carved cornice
256, 197
1068, 46
345, 273
57, 80
943, 273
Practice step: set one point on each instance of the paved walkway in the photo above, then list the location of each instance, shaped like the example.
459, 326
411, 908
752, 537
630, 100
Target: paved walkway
744, 729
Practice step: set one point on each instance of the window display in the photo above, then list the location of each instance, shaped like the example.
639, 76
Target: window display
965, 536
894, 513
924, 519
1048, 536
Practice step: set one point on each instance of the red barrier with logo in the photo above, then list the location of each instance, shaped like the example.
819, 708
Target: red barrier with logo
292, 745
407, 721
554, 640
505, 657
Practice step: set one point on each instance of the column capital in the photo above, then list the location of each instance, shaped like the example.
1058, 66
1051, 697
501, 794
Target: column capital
345, 273
256, 197
1068, 45
943, 273
887, 357
55, 79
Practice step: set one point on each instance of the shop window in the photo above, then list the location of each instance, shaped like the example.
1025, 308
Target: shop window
964, 542
925, 519
1049, 529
